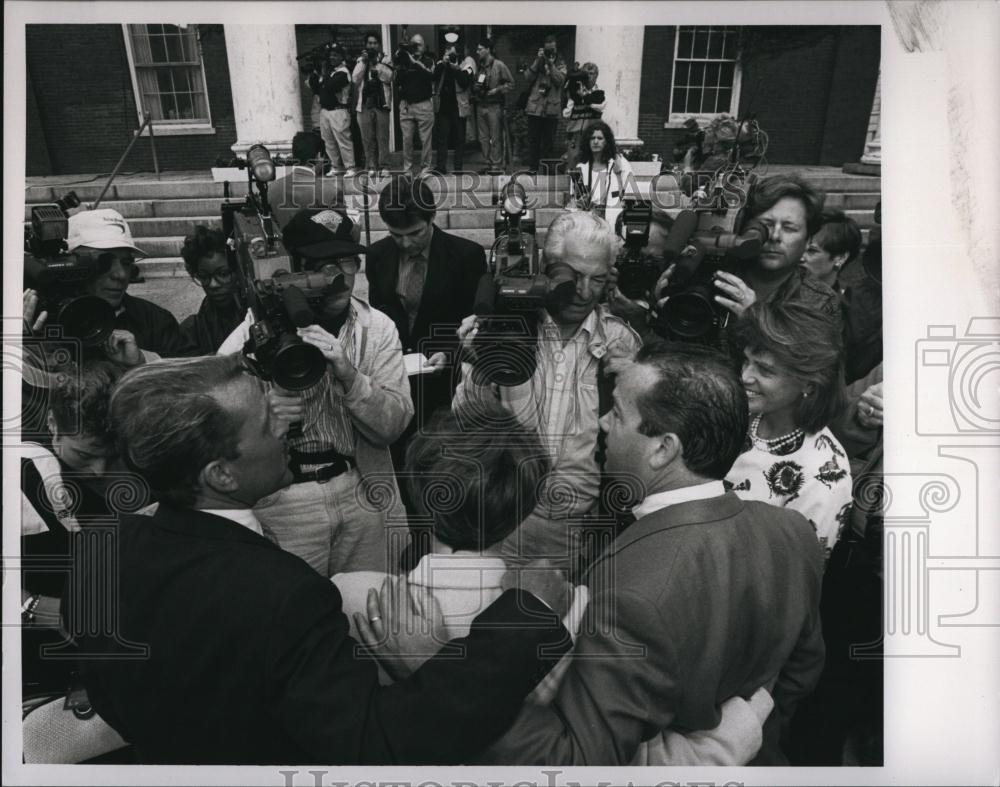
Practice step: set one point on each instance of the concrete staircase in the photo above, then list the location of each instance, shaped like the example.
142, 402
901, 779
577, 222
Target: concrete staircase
160, 213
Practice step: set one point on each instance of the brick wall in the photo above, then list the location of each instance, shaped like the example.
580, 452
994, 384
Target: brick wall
36, 151
810, 87
86, 103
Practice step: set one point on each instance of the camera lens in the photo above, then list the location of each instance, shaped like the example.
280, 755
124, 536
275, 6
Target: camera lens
690, 314
87, 318
505, 351
297, 365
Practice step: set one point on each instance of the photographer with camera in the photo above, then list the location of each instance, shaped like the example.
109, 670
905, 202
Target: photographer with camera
580, 346
332, 83
453, 77
373, 82
347, 420
141, 327
585, 104
489, 91
547, 74
415, 84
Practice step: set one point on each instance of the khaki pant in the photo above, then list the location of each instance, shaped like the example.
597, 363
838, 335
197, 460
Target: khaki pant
417, 117
488, 121
335, 128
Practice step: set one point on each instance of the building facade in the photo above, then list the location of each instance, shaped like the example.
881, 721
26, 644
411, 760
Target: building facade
213, 90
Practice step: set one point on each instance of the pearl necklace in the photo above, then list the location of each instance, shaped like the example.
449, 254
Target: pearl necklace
776, 444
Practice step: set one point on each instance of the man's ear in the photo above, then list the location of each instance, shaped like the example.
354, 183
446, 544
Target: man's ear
218, 477
668, 450
840, 260
50, 423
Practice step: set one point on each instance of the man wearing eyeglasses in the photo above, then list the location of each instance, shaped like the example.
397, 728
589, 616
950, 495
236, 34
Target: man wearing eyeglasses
104, 236
206, 262
334, 513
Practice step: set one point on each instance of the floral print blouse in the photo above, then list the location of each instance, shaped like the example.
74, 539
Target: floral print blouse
812, 476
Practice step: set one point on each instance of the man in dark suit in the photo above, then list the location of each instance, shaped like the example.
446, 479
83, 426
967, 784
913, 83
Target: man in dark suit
704, 597
425, 279
227, 649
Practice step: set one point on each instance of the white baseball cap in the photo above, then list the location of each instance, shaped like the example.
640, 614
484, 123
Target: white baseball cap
100, 229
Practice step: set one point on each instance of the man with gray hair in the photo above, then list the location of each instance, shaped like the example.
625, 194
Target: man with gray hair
581, 345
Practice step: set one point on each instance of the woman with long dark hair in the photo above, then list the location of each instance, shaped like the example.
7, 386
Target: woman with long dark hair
605, 172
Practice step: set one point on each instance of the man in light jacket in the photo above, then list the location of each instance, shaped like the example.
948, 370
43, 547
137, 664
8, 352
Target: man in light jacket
331, 515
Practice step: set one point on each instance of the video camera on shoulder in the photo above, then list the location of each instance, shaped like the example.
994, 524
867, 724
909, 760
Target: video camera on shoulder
511, 292
713, 233
314, 60
60, 276
276, 297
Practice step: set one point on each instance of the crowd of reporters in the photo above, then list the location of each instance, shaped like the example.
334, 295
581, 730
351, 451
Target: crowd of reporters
421, 494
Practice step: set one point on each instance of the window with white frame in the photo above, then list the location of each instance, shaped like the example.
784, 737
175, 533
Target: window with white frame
706, 79
168, 74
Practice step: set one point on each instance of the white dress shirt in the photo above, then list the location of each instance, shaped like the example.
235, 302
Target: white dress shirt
674, 496
241, 516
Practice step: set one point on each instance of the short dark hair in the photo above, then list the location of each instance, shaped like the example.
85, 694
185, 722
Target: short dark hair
486, 42
766, 194
404, 200
79, 402
169, 426
203, 242
479, 478
839, 234
373, 34
806, 342
306, 147
550, 38
584, 153
699, 397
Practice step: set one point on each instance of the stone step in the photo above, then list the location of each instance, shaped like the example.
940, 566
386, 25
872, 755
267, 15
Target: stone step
452, 220
167, 262
853, 201
830, 180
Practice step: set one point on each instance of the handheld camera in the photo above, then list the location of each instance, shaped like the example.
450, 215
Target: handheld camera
59, 276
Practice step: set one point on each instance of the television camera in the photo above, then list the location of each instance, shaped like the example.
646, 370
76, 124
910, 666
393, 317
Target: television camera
711, 234
60, 276
277, 297
314, 59
511, 292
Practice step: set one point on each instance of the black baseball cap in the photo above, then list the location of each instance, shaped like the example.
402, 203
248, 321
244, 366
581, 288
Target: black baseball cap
320, 234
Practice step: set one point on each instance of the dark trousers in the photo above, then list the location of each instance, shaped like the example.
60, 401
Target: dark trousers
450, 130
541, 139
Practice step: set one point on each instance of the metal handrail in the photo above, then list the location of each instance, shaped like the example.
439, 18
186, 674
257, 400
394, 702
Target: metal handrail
146, 121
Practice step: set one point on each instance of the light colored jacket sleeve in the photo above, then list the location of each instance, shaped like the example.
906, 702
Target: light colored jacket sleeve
380, 403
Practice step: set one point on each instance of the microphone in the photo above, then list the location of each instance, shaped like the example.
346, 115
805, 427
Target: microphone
297, 307
683, 228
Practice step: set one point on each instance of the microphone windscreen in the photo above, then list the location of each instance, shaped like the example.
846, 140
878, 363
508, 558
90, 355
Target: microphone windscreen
680, 233
297, 307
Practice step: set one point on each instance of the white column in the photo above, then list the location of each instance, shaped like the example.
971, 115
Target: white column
873, 142
264, 78
617, 52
